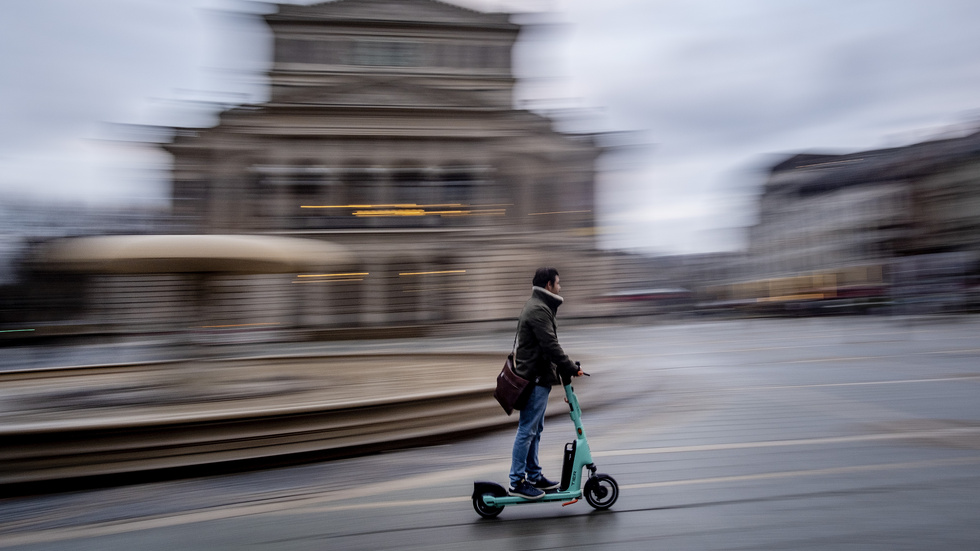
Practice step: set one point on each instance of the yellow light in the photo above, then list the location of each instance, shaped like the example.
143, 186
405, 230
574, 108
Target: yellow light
238, 325
328, 280
433, 273
384, 206
412, 209
335, 275
403, 212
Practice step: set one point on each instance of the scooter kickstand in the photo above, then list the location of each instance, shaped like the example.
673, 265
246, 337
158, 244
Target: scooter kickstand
569, 502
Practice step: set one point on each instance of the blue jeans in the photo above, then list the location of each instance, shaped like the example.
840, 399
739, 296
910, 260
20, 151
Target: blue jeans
524, 459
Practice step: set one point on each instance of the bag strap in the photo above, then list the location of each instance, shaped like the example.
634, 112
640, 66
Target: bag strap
514, 352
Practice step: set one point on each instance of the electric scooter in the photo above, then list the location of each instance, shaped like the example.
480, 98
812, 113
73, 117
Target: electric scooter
600, 490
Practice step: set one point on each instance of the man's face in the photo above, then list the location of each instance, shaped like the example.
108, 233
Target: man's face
553, 287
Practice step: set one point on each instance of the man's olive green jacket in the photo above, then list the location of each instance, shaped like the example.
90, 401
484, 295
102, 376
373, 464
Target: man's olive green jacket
540, 358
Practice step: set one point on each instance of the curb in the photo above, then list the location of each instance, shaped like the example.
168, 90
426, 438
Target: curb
127, 447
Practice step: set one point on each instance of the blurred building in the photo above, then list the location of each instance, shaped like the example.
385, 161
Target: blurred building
391, 130
31, 297
820, 211
873, 220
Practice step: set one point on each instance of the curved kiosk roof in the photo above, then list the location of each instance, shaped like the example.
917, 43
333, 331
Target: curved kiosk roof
134, 254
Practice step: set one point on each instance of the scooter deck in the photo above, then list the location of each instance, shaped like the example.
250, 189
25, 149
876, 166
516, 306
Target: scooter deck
495, 501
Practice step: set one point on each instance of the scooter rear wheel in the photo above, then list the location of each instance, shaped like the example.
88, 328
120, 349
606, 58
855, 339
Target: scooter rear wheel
484, 510
601, 491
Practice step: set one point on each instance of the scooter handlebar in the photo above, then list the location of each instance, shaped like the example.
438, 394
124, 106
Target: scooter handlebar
566, 378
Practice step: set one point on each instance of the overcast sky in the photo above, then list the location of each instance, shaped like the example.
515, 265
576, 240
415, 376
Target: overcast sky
713, 91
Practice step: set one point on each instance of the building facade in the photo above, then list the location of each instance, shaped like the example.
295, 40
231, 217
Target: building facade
391, 130
903, 221
820, 211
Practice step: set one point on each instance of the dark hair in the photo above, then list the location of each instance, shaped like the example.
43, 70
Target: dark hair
544, 276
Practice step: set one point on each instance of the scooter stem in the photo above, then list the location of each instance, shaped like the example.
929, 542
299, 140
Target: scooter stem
583, 452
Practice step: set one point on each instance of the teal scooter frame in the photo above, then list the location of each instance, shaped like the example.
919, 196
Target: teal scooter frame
600, 490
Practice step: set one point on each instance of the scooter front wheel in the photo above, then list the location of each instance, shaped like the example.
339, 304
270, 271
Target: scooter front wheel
484, 510
601, 491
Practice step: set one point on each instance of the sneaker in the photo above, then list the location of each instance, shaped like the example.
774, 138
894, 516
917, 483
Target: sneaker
544, 484
525, 490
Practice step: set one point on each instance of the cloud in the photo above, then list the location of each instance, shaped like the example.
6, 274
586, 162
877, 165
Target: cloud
718, 86
71, 70
711, 79
721, 85
73, 64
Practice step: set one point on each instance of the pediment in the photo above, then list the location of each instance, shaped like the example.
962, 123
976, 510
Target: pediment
382, 94
403, 11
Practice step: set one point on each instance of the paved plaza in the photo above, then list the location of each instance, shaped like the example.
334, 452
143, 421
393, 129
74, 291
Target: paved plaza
823, 433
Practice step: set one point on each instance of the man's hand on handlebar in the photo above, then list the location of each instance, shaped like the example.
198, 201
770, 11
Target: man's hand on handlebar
566, 378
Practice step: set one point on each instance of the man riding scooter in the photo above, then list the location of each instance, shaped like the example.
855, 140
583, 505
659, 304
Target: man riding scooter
541, 360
